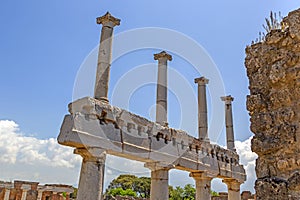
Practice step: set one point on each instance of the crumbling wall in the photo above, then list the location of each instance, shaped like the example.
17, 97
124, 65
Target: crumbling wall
273, 69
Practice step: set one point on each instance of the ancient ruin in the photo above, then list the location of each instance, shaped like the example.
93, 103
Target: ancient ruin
24, 190
273, 68
94, 128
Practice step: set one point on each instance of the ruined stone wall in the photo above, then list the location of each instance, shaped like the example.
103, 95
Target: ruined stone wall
273, 69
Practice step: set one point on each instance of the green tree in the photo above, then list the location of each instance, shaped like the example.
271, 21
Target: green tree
119, 191
139, 185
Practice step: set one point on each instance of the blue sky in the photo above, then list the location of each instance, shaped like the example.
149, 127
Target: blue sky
44, 43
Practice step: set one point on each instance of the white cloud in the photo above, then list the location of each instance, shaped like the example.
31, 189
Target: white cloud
247, 158
26, 157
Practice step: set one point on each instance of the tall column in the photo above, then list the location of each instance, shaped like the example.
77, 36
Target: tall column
162, 87
7, 193
203, 183
104, 56
233, 189
159, 181
202, 108
91, 174
24, 194
229, 122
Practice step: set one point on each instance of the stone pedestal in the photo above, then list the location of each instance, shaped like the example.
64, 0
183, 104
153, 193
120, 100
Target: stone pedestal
203, 183
92, 173
229, 122
202, 108
104, 55
233, 189
162, 87
159, 181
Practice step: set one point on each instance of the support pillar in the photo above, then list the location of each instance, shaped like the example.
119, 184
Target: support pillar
91, 174
233, 189
203, 183
159, 181
40, 195
6, 195
202, 108
24, 194
67, 196
162, 87
229, 122
104, 56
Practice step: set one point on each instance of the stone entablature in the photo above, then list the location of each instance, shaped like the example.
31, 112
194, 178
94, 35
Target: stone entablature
25, 190
121, 133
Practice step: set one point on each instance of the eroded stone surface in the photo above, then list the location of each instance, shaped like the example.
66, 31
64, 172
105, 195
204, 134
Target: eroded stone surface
273, 69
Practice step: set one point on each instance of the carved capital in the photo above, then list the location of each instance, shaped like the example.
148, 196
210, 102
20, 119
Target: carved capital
201, 81
92, 154
201, 175
228, 99
108, 20
232, 184
162, 55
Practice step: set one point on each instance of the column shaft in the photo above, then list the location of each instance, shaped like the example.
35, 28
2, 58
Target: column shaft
91, 174
104, 56
202, 108
6, 195
233, 189
24, 195
40, 195
229, 122
159, 185
162, 87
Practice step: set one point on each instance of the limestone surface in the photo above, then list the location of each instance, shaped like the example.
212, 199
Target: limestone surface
273, 69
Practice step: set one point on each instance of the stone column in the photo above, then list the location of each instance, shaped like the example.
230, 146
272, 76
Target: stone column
92, 173
104, 56
162, 89
7, 193
40, 195
229, 122
233, 189
203, 183
202, 108
24, 194
159, 181
67, 196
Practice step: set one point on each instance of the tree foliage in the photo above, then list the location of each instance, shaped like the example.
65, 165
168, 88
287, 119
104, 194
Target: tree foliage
139, 185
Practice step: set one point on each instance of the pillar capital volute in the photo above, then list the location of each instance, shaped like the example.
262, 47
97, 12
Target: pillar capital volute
162, 55
202, 80
108, 20
228, 99
92, 154
154, 166
232, 184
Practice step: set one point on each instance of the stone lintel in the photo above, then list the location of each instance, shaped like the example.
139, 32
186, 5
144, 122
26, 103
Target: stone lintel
92, 154
228, 99
108, 20
161, 55
154, 166
202, 80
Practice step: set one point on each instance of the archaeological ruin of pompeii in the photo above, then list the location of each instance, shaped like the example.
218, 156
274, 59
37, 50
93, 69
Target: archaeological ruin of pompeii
95, 128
